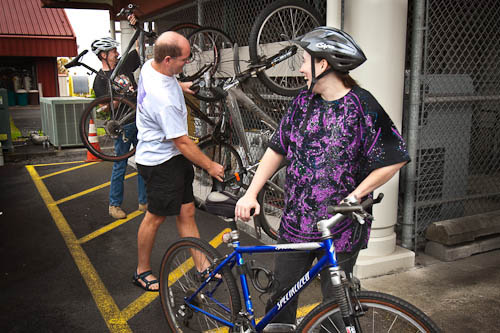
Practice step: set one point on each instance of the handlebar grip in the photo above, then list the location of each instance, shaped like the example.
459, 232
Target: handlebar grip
355, 208
76, 61
344, 209
367, 203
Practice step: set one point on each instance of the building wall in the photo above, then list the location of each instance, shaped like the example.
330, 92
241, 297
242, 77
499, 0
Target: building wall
47, 75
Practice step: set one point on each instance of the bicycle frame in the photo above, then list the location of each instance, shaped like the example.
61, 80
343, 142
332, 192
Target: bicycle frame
236, 258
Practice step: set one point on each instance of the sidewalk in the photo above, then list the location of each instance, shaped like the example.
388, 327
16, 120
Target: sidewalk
460, 296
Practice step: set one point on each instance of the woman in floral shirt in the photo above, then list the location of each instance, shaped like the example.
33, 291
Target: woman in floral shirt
338, 142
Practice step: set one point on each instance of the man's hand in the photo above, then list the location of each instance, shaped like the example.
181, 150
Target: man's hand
185, 87
132, 19
216, 170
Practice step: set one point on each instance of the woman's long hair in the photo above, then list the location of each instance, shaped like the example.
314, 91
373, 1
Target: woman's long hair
347, 80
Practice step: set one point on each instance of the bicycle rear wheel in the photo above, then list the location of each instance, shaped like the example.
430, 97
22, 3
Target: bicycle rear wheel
381, 313
179, 279
210, 47
272, 31
111, 119
225, 155
272, 202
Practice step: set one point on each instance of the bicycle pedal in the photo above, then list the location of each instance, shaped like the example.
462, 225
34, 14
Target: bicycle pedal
279, 327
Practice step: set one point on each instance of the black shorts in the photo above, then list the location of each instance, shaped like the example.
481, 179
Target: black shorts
168, 185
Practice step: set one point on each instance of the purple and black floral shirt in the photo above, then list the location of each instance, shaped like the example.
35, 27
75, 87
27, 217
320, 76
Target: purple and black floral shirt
343, 141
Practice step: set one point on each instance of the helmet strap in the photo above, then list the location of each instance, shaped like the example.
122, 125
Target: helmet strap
313, 74
107, 63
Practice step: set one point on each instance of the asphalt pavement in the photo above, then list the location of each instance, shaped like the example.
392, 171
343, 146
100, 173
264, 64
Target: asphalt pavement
67, 265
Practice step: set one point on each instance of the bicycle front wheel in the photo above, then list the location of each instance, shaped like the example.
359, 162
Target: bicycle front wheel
225, 155
272, 201
179, 279
272, 31
185, 28
106, 120
381, 313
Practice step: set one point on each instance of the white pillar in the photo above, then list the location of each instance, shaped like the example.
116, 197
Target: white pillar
379, 27
126, 34
334, 13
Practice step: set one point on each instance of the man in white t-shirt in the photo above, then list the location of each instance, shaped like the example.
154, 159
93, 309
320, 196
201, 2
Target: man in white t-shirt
165, 153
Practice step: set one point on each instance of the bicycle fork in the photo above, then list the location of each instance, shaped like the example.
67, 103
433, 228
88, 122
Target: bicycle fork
341, 295
341, 289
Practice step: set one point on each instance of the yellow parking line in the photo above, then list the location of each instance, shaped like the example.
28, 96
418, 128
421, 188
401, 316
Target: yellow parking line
303, 311
58, 163
109, 227
68, 170
105, 303
140, 303
95, 188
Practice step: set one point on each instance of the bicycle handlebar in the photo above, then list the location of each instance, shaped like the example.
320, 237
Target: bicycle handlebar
76, 61
355, 208
129, 10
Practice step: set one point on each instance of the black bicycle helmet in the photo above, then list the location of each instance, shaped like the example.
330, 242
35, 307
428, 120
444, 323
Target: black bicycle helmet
103, 44
333, 45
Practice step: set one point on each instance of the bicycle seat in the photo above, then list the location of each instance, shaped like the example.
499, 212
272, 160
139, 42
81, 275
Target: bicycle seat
221, 203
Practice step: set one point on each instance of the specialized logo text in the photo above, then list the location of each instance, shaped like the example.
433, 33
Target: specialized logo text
293, 290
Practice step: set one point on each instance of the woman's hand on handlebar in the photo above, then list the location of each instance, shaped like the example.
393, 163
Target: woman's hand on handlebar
244, 206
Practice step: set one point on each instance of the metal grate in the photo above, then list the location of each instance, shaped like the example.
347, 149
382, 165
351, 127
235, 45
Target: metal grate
458, 163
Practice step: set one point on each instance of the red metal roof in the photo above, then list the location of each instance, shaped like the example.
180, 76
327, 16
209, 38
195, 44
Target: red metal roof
27, 29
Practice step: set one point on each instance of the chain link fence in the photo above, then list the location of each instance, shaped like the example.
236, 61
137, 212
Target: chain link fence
458, 157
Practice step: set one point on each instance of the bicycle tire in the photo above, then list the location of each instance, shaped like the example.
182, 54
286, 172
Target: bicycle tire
185, 28
108, 125
178, 280
272, 204
210, 46
227, 156
388, 312
272, 26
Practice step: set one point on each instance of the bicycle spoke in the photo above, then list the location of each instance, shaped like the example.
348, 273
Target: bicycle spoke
219, 298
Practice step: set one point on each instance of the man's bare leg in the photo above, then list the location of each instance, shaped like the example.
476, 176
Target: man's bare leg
186, 225
145, 240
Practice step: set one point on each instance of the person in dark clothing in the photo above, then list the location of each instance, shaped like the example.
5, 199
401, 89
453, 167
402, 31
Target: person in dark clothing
339, 144
106, 50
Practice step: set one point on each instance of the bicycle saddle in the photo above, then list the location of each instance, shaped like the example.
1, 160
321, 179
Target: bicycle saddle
221, 203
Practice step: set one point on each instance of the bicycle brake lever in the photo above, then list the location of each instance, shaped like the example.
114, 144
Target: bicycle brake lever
359, 218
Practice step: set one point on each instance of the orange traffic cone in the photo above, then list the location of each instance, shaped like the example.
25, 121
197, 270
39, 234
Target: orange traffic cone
93, 140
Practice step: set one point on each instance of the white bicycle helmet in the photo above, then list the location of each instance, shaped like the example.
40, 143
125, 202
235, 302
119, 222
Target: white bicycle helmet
103, 44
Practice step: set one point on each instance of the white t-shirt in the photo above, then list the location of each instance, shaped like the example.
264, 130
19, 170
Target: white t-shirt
161, 116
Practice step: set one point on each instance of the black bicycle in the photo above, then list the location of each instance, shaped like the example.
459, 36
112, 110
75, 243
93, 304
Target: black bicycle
107, 118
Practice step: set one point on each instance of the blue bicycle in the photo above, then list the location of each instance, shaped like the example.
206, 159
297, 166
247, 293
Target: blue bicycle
209, 300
